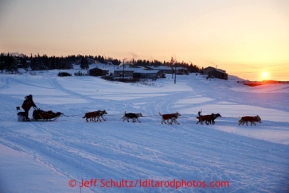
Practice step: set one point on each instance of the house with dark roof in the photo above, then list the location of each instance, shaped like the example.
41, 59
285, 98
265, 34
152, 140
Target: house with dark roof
216, 73
97, 72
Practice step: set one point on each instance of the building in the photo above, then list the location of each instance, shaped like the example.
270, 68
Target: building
215, 73
182, 70
147, 74
97, 72
164, 69
128, 73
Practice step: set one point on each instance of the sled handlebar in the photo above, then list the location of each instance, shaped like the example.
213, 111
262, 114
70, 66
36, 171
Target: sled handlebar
36, 108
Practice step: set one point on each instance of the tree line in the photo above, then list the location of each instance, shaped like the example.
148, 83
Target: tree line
11, 63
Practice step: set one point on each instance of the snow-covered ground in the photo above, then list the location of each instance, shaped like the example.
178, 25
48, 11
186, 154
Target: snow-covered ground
53, 156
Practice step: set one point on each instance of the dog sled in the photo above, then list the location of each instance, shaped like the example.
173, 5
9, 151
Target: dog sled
39, 115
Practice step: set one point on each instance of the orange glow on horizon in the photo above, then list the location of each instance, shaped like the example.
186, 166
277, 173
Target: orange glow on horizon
244, 38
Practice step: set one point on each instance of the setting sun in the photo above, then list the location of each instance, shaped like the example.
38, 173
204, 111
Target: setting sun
264, 75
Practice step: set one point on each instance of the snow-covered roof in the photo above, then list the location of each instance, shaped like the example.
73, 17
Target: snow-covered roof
217, 69
126, 68
181, 68
162, 68
220, 70
146, 71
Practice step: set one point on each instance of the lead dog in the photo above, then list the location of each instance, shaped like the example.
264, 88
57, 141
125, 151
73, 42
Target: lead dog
251, 119
172, 117
133, 116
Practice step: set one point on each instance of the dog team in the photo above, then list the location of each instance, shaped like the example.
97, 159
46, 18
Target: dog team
170, 118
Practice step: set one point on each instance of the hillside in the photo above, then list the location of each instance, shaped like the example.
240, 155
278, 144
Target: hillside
49, 156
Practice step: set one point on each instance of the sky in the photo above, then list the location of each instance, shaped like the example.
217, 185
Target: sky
243, 37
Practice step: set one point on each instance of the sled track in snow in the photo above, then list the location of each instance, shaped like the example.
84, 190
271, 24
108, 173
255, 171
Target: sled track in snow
3, 82
148, 150
109, 151
92, 102
13, 79
57, 86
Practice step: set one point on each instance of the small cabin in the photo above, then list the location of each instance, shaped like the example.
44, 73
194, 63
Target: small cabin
216, 73
97, 72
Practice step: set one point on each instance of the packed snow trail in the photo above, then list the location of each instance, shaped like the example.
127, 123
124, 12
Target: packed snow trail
103, 150
117, 150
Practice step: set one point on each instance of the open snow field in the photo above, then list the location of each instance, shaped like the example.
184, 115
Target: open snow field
62, 155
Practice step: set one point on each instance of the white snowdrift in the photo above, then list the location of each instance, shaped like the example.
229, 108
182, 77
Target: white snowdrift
45, 156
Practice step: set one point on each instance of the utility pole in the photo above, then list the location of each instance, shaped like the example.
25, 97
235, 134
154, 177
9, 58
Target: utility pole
123, 69
175, 74
173, 61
